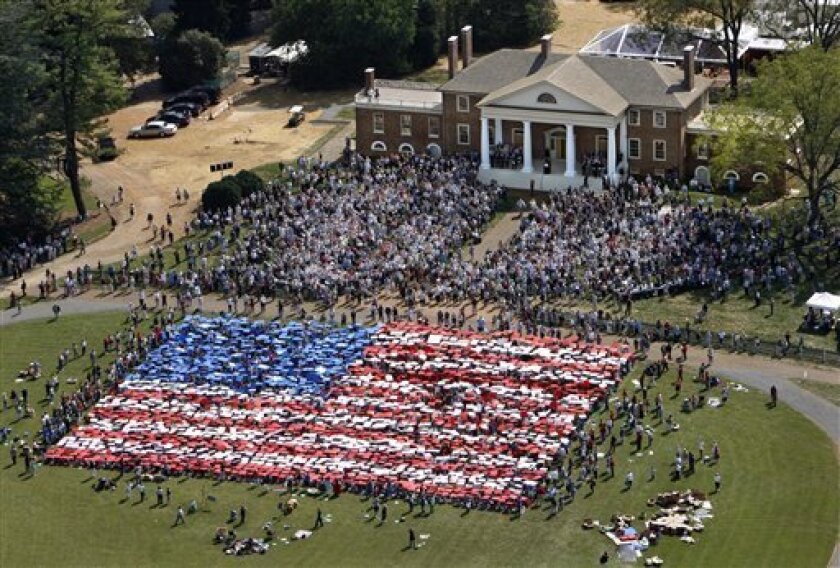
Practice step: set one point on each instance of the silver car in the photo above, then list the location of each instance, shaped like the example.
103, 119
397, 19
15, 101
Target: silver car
153, 129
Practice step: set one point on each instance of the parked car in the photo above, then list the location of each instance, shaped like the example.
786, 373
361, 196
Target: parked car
153, 129
179, 119
187, 97
188, 108
214, 94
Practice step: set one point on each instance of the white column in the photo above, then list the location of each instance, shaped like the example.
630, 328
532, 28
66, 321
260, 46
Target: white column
611, 151
570, 150
623, 142
499, 131
485, 143
527, 152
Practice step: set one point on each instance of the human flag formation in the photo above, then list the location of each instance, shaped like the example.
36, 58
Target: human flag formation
455, 414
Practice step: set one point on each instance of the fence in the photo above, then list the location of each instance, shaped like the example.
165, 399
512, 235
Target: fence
699, 337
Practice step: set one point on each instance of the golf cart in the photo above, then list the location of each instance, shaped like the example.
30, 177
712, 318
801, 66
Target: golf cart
296, 116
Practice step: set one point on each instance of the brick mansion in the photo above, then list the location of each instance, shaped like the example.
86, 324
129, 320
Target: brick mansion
541, 118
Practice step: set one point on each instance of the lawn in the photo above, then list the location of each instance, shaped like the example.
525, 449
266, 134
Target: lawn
778, 506
828, 391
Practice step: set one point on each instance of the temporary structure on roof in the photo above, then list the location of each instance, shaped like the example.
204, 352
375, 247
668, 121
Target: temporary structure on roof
633, 40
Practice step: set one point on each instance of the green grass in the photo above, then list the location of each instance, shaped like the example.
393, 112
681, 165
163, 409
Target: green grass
267, 172
778, 506
434, 74
66, 204
347, 113
828, 391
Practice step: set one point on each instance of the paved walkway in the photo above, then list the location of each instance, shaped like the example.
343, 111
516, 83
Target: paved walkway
71, 306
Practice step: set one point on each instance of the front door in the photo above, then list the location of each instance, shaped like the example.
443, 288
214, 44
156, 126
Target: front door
557, 145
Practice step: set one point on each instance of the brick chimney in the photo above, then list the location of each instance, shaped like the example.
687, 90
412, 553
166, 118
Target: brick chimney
688, 68
545, 45
453, 55
466, 40
370, 80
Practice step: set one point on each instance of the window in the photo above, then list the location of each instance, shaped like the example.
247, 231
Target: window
547, 98
434, 127
405, 125
463, 103
379, 147
406, 148
633, 118
659, 150
464, 134
659, 119
634, 149
703, 151
760, 177
378, 123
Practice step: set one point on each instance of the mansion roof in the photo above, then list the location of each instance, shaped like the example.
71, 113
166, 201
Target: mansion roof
609, 84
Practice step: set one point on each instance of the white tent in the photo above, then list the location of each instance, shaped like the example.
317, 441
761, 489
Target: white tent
824, 301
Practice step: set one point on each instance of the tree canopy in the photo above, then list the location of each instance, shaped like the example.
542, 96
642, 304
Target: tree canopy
81, 77
670, 16
397, 36
789, 117
345, 36
816, 22
190, 58
501, 23
224, 19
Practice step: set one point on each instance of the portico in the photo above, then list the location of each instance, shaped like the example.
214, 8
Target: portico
566, 113
562, 141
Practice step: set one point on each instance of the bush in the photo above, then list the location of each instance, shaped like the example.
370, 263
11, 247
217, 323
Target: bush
249, 182
221, 194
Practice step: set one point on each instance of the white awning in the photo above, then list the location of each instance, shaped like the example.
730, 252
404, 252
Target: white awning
824, 301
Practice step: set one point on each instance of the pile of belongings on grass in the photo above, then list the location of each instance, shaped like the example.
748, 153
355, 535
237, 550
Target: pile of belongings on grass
246, 546
463, 416
680, 514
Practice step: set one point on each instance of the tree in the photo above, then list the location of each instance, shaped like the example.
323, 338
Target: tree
249, 182
22, 78
27, 206
82, 81
164, 25
221, 194
816, 22
789, 118
239, 14
190, 58
212, 16
501, 23
345, 36
672, 16
427, 42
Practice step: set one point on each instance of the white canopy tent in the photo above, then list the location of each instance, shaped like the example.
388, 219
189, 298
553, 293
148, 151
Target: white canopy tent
824, 301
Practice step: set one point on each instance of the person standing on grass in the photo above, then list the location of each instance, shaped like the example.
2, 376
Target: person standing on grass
180, 518
412, 539
319, 520
717, 482
773, 396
